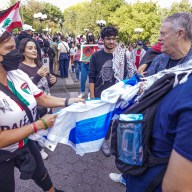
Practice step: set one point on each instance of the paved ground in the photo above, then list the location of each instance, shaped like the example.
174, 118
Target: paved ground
69, 171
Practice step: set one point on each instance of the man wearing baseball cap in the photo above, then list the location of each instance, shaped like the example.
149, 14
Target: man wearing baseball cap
27, 32
137, 54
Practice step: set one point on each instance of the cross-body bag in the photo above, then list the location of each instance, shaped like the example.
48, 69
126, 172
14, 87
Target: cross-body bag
68, 54
17, 100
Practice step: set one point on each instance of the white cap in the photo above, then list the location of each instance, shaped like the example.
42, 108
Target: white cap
27, 28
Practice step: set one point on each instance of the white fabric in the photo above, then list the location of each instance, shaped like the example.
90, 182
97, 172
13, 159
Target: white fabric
84, 126
179, 69
119, 91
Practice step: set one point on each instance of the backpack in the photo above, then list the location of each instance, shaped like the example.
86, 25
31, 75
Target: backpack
146, 106
45, 59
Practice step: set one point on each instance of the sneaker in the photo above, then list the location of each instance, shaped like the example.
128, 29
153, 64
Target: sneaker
116, 177
44, 155
105, 148
123, 181
88, 97
82, 95
76, 80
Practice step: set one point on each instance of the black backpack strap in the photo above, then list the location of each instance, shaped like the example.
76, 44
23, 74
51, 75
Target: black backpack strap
156, 181
154, 161
17, 100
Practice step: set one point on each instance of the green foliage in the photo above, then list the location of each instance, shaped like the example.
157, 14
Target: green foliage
183, 6
125, 17
84, 15
140, 15
33, 6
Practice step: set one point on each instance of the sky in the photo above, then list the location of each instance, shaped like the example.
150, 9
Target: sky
62, 4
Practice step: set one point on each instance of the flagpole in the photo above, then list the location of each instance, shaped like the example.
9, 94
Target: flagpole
21, 12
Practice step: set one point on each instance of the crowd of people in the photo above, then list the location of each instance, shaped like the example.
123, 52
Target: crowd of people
30, 64
61, 53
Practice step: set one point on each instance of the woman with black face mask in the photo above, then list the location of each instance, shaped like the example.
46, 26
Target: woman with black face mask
19, 98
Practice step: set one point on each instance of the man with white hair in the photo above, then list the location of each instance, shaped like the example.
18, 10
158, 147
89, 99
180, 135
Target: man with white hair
172, 128
175, 37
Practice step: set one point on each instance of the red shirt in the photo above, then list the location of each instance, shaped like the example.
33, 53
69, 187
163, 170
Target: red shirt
77, 55
137, 60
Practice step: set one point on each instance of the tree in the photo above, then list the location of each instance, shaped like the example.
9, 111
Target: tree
84, 15
28, 9
183, 6
125, 17
138, 15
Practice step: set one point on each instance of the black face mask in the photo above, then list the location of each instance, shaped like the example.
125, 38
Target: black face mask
11, 60
90, 38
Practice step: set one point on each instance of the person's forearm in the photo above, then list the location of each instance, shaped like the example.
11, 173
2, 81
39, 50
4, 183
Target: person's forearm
142, 68
91, 88
9, 137
50, 101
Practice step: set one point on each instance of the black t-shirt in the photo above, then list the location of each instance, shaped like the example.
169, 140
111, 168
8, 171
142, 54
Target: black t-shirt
101, 72
173, 63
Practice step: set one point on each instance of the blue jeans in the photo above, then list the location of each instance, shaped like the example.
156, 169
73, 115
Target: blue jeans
77, 68
84, 74
63, 65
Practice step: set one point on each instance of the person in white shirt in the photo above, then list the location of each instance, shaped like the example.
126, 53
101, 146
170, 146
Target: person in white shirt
63, 57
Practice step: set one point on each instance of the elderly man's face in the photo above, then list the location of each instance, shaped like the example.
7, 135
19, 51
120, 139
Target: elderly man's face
168, 38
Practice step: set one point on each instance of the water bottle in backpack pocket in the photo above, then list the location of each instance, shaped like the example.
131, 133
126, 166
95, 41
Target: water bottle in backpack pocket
129, 139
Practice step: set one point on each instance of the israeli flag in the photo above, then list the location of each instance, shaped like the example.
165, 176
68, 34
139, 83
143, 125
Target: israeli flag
84, 126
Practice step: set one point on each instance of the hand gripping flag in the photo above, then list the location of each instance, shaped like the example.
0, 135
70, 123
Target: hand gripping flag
10, 18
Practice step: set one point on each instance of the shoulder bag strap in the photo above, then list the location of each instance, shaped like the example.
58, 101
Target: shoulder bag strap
17, 100
65, 47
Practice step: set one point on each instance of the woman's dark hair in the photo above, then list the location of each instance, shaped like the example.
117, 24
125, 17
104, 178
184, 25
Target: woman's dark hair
6, 36
55, 38
22, 46
90, 37
62, 38
46, 46
108, 31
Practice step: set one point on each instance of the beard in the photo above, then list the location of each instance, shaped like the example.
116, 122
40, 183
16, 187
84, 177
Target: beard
109, 48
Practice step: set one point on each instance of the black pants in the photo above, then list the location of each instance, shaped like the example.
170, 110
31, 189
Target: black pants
108, 135
40, 176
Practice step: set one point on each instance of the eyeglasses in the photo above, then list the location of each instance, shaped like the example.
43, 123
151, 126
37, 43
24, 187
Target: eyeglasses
110, 38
